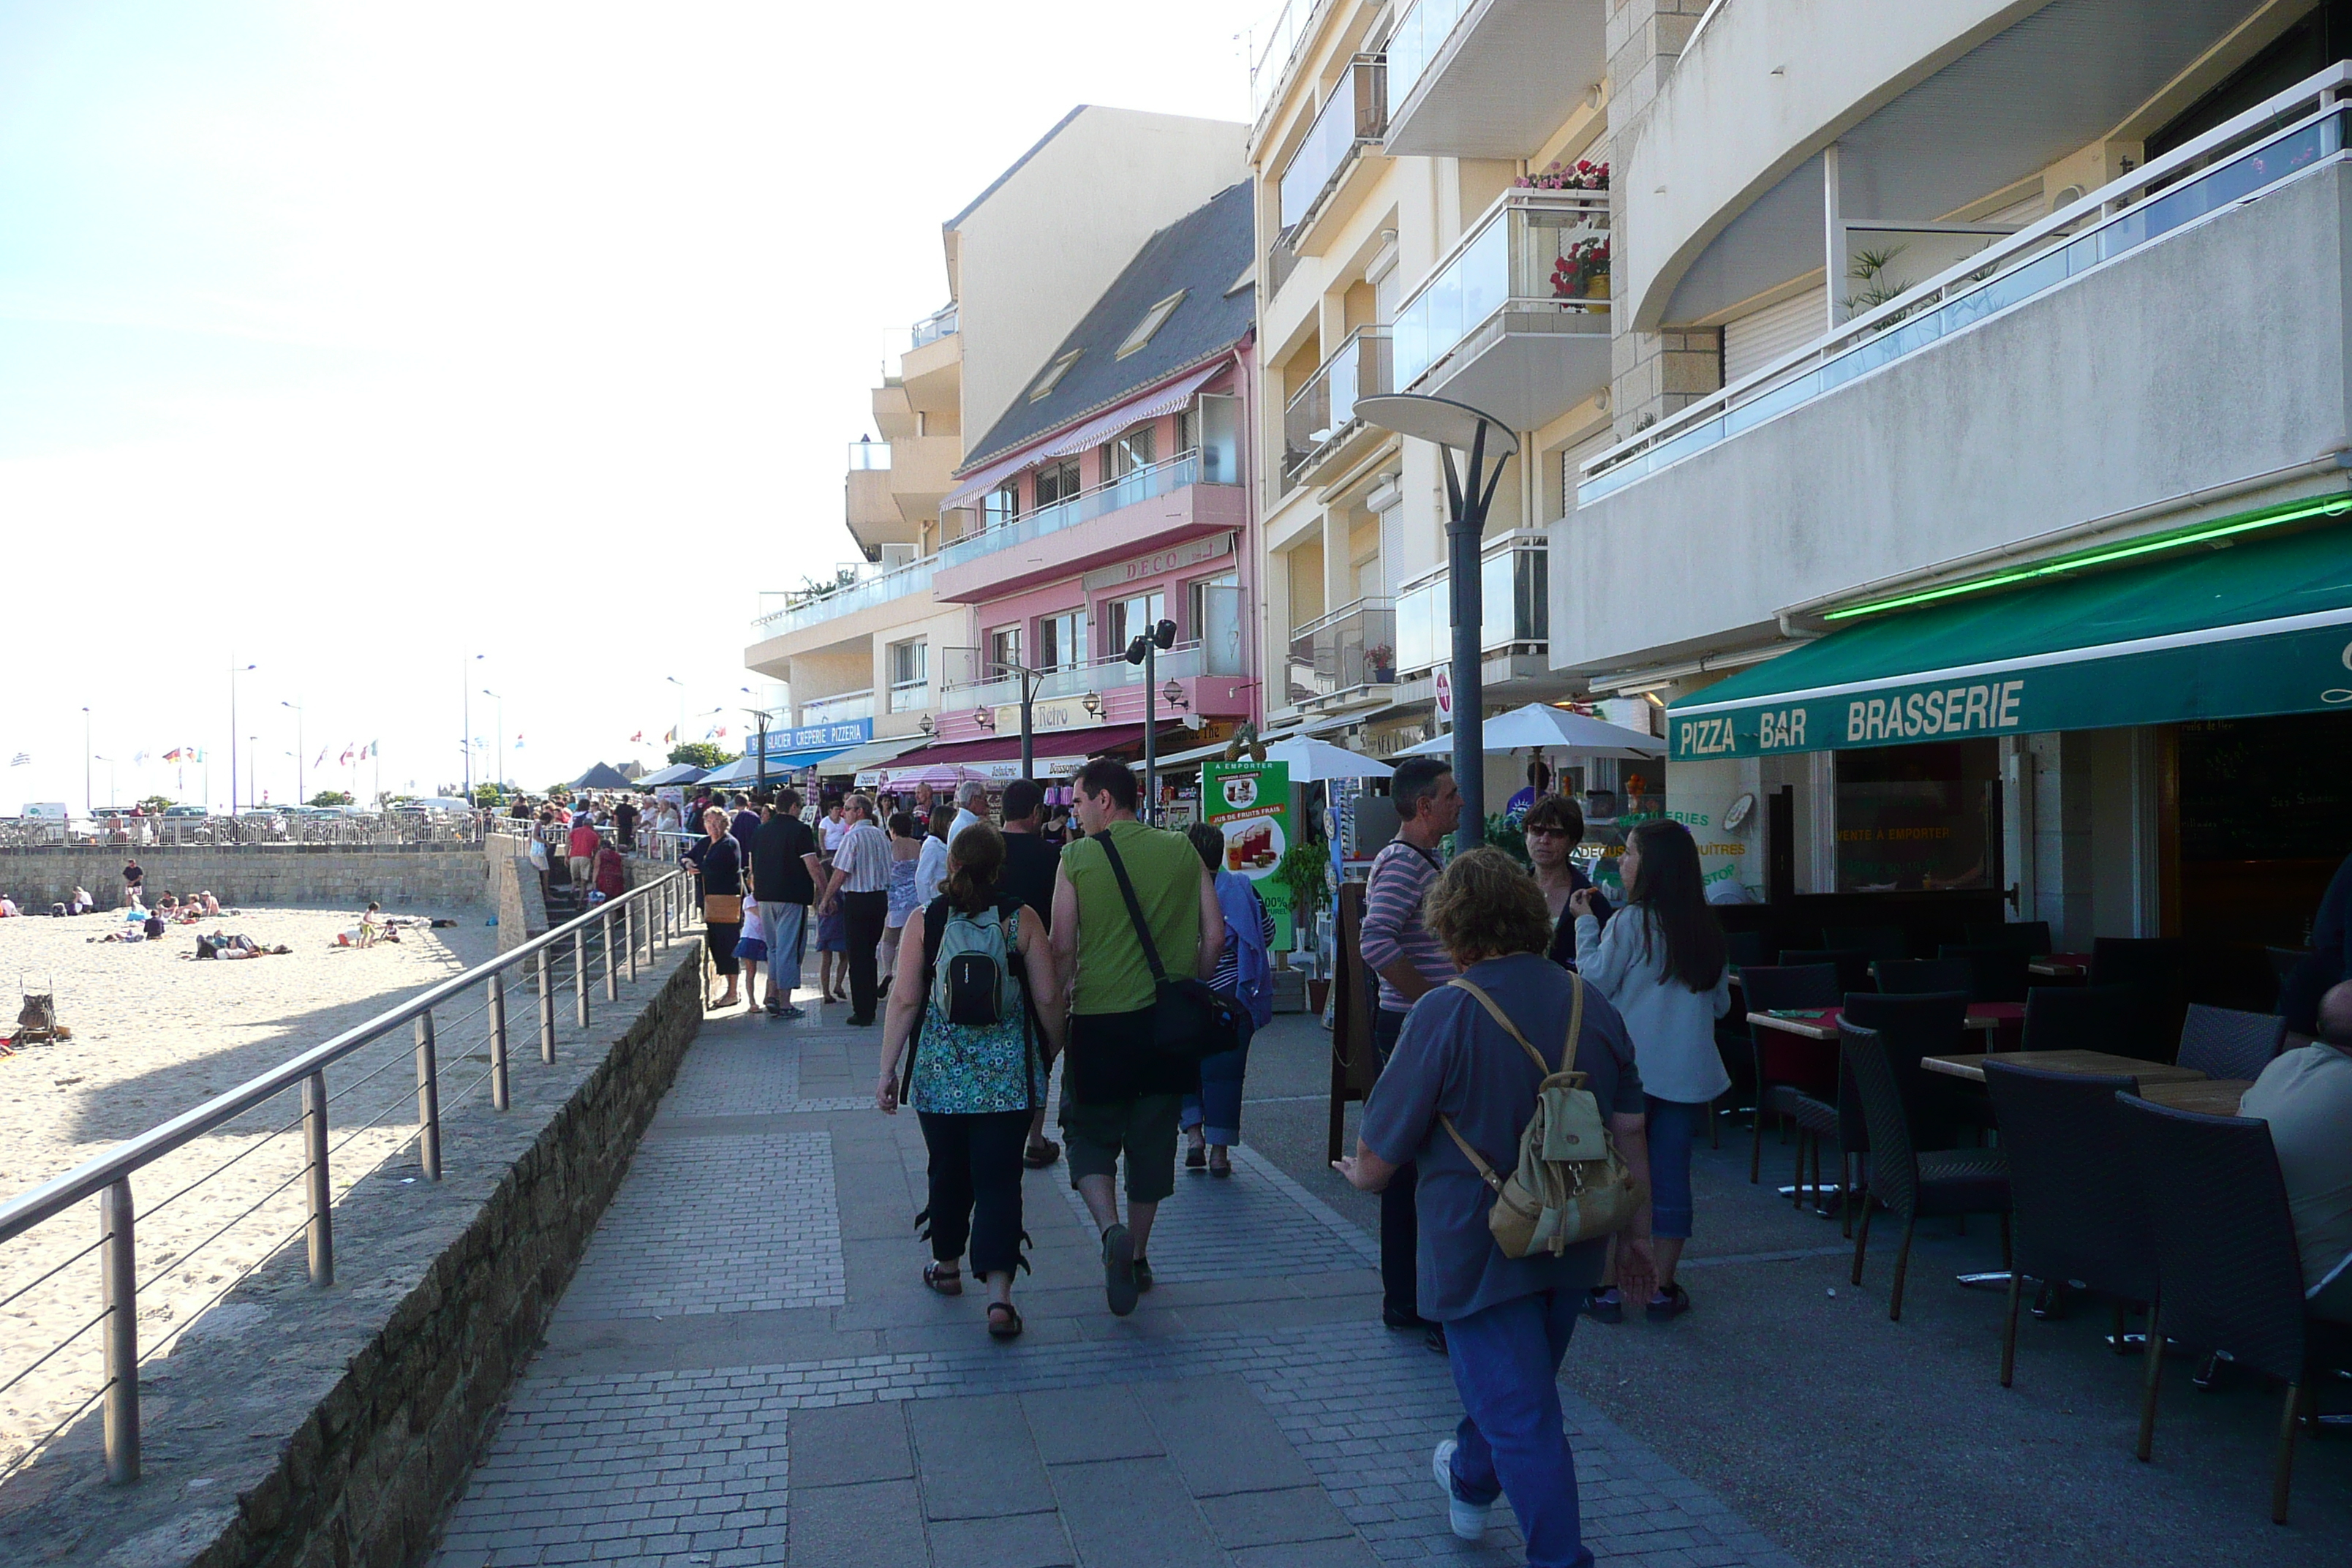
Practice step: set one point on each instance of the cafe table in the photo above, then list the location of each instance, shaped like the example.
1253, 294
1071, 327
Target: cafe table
2064, 965
2095, 1062
1822, 1023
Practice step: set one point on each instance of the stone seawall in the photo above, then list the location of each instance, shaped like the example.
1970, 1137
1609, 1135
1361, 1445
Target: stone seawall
303, 1426
405, 879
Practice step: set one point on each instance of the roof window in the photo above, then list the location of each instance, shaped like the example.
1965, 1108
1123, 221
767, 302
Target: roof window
1152, 320
1053, 374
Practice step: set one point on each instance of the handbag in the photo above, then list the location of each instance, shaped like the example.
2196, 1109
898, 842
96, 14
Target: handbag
1571, 1184
1190, 1022
722, 909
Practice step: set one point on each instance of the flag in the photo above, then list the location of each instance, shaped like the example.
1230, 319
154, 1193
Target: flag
347, 756
194, 754
670, 739
634, 739
139, 759
172, 756
322, 758
20, 758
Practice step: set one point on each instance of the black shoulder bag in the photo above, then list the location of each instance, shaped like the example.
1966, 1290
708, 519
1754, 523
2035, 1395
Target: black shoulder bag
1190, 1022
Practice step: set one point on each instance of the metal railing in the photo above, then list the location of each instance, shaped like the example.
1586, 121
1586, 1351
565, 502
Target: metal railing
646, 920
940, 323
395, 828
1534, 250
842, 707
1180, 662
1274, 56
1323, 412
1515, 597
2297, 131
1351, 648
1353, 117
859, 593
1159, 479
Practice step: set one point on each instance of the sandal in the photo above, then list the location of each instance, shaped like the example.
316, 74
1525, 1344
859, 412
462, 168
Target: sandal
1041, 1153
944, 1278
1196, 1157
1672, 1304
1221, 1168
1007, 1327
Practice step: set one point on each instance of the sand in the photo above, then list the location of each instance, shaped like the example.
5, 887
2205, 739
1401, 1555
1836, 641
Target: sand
155, 1034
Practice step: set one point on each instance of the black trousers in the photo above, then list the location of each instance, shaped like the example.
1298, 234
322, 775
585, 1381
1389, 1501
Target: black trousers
976, 1186
862, 916
722, 936
1399, 1220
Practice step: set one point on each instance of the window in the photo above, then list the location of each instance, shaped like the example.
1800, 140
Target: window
1152, 320
1918, 816
1187, 429
1001, 506
906, 662
1062, 640
1130, 450
1054, 375
1126, 620
1057, 481
1004, 651
1198, 595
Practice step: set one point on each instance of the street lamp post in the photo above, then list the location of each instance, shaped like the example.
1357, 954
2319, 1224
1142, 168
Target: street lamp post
466, 705
1144, 650
301, 795
87, 804
499, 751
760, 765
234, 671
677, 736
1486, 439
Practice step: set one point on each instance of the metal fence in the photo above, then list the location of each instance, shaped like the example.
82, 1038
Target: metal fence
397, 827
645, 921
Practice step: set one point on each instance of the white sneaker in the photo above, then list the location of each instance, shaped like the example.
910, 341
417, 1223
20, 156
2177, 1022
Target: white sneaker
1468, 1520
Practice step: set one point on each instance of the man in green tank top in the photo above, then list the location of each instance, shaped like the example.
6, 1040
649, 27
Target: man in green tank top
1118, 1091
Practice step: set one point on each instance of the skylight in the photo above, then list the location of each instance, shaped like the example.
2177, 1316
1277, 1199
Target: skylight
1152, 320
1053, 374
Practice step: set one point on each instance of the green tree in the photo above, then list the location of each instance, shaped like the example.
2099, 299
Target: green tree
701, 754
155, 804
331, 797
487, 795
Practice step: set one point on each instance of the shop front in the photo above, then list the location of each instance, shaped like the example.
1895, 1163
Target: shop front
2151, 748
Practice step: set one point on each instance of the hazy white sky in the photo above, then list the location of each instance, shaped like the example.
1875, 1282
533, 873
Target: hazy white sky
351, 341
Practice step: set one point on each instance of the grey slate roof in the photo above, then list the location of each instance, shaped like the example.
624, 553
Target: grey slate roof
1202, 253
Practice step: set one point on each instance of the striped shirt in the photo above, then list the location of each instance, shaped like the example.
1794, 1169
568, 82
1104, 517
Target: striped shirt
864, 855
1401, 878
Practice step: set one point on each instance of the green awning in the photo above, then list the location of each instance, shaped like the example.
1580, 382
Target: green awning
2258, 627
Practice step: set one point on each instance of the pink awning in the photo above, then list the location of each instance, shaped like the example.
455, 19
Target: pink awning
1093, 433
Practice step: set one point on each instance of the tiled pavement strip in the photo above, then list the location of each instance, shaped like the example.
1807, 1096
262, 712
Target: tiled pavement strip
1252, 1413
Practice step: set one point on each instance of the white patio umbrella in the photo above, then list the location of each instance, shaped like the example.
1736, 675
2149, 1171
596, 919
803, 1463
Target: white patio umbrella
1541, 726
1319, 762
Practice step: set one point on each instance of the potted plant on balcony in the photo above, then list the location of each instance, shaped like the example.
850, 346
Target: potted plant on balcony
1582, 270
1581, 175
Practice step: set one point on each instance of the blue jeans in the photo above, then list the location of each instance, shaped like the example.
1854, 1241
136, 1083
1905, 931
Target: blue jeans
1506, 1363
1674, 1127
1216, 1111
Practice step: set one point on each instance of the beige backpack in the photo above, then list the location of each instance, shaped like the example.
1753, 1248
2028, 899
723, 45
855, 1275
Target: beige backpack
1571, 1185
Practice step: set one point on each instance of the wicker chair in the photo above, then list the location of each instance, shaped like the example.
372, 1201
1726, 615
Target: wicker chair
1997, 974
1913, 1026
1853, 964
1786, 1068
2084, 1018
2031, 938
1879, 942
1911, 976
2157, 970
2080, 1217
2221, 1042
1913, 1185
2226, 1263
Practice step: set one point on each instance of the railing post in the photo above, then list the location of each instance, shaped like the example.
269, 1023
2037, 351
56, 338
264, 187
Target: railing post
119, 1272
612, 975
580, 973
499, 1097
629, 931
429, 1099
321, 1193
546, 1009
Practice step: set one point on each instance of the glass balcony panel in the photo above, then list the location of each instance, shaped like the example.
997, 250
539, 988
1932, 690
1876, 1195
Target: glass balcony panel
1417, 41
1158, 480
1324, 410
910, 697
1538, 250
940, 323
869, 457
838, 709
864, 593
1422, 621
1351, 649
1356, 112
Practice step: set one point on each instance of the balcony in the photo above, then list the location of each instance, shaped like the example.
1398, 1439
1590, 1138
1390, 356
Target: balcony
1151, 508
2172, 346
840, 708
1489, 79
1516, 320
856, 589
940, 323
1319, 428
1349, 650
909, 695
1515, 602
1352, 119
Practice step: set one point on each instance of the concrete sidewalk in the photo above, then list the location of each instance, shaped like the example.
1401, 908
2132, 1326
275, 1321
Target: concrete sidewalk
748, 1369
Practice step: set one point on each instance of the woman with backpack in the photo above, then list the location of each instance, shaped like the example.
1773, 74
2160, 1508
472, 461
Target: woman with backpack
1663, 961
978, 1069
1212, 1118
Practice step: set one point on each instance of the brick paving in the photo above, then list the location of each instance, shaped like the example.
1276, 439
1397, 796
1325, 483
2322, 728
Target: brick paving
1239, 1418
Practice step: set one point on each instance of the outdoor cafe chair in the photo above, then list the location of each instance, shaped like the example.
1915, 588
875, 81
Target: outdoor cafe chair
2221, 1042
1996, 973
2080, 1218
2157, 969
1743, 948
1912, 1027
2086, 1018
1910, 976
2031, 938
1786, 1064
1853, 964
2227, 1274
1878, 942
1912, 1183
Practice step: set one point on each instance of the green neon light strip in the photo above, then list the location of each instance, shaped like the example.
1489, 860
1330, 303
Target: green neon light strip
2334, 506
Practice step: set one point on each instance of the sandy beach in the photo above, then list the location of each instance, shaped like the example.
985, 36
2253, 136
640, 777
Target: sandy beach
156, 1033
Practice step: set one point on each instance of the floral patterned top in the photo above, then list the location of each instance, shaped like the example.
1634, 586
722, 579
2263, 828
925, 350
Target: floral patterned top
971, 1069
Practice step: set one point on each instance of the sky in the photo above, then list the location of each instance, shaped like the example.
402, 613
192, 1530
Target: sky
410, 353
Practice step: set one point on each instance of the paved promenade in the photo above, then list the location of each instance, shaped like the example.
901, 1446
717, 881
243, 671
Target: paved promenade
749, 1370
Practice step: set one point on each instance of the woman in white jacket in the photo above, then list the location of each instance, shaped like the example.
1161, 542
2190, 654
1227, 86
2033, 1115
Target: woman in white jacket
1661, 962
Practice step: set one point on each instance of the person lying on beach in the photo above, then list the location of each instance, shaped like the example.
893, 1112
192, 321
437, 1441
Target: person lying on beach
235, 946
8, 909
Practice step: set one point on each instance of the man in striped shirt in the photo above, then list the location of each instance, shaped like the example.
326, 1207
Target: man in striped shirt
861, 886
1411, 963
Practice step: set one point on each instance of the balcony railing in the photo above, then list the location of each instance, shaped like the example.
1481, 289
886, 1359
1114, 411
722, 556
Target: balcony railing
1156, 479
1276, 48
1177, 663
940, 323
1514, 606
1352, 648
1324, 410
909, 695
1356, 112
1533, 251
841, 708
862, 593
1417, 40
867, 456
2296, 131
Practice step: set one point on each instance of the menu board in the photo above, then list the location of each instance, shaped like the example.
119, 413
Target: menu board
1249, 802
